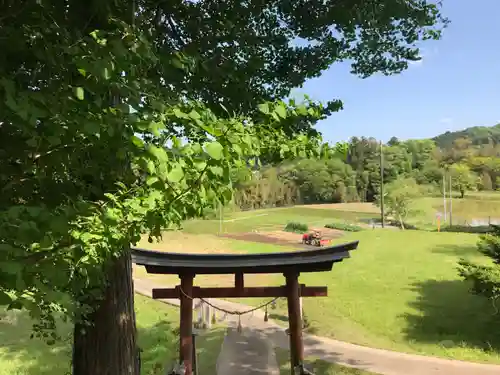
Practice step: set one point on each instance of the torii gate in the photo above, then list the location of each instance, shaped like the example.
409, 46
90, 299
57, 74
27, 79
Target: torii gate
290, 264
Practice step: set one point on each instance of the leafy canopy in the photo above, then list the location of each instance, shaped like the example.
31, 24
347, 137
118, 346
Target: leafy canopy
122, 118
88, 167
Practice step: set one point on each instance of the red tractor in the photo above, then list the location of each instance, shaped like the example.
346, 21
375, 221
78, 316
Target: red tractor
313, 238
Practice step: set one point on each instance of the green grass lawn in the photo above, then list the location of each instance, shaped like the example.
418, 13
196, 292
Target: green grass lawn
316, 365
400, 291
272, 219
156, 324
476, 205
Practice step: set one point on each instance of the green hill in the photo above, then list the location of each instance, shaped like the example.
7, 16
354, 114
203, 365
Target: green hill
477, 134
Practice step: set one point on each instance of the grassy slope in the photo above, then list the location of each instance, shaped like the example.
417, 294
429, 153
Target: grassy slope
316, 365
156, 323
400, 291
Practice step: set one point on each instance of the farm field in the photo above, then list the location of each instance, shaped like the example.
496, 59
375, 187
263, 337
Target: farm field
156, 324
399, 291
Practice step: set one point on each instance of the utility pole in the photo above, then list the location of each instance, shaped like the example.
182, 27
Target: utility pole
382, 213
451, 205
444, 196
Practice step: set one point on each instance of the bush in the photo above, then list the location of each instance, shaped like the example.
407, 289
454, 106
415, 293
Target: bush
481, 229
296, 227
345, 227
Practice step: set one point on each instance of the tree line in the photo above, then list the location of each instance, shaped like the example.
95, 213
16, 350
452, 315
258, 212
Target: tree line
354, 175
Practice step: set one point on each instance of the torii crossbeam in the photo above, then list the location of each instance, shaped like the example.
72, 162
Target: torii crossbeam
290, 264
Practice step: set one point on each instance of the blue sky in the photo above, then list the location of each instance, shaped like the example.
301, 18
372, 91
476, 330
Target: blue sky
456, 85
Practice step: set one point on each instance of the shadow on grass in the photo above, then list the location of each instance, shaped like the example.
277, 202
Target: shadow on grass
21, 355
282, 320
456, 250
159, 346
452, 317
317, 366
278, 317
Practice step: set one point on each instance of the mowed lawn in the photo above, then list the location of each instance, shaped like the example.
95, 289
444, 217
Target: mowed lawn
156, 324
274, 219
400, 291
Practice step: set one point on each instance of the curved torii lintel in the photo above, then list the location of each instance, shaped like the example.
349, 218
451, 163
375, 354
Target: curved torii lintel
317, 260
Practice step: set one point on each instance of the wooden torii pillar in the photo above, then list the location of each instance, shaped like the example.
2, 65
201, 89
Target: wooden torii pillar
186, 322
295, 319
290, 264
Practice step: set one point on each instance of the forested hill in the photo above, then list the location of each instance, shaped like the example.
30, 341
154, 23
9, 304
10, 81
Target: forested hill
478, 135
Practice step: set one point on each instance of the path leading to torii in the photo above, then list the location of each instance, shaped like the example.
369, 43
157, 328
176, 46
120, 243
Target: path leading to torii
376, 360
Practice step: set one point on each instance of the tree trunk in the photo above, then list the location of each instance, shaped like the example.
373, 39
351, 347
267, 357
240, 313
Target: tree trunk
108, 346
401, 222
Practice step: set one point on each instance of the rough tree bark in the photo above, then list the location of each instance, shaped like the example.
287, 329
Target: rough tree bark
108, 346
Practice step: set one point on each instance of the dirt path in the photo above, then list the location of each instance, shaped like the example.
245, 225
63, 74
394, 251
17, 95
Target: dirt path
375, 360
246, 353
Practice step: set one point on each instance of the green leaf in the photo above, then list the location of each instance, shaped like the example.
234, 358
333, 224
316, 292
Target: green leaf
91, 128
264, 108
82, 72
237, 149
180, 114
227, 195
301, 109
176, 174
200, 165
105, 73
158, 152
214, 150
281, 111
5, 299
194, 115
12, 268
151, 180
154, 127
79, 93
53, 140
137, 141
32, 142
15, 305
177, 63
216, 170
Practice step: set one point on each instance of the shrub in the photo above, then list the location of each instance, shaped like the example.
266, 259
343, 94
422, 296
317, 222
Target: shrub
345, 227
481, 229
296, 227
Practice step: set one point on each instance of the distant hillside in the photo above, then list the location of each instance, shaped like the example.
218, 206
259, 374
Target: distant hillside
477, 134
